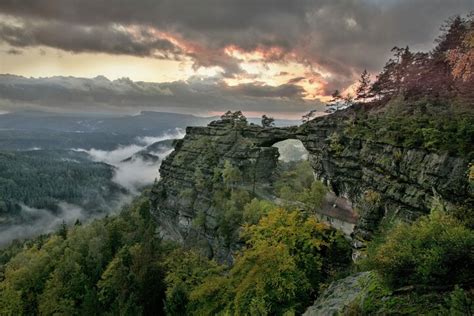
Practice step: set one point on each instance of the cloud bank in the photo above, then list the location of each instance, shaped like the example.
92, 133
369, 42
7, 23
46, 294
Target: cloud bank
196, 95
332, 40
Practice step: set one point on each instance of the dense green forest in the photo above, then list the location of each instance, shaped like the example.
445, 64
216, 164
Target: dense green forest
110, 265
41, 179
119, 265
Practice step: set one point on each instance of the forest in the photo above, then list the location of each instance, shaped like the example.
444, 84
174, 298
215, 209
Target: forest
118, 265
41, 179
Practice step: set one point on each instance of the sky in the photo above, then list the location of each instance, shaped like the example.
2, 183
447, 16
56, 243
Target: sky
201, 57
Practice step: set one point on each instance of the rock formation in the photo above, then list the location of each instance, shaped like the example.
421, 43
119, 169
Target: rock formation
380, 180
337, 298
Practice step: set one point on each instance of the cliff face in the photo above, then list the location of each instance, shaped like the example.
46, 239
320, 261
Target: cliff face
380, 180
185, 187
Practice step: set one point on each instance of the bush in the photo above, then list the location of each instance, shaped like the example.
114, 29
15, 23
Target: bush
256, 209
296, 186
186, 270
460, 303
436, 249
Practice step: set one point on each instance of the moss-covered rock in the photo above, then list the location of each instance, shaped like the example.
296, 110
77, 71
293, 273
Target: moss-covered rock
406, 177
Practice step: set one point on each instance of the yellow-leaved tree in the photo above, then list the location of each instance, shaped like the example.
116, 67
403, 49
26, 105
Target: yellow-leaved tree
287, 256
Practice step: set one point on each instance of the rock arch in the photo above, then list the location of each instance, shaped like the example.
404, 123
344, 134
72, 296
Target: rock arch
404, 180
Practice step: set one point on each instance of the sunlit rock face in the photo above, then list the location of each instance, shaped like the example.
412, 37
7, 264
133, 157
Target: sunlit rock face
376, 180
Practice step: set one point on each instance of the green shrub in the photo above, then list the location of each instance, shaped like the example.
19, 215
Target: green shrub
335, 144
295, 176
256, 209
460, 302
435, 249
296, 184
186, 270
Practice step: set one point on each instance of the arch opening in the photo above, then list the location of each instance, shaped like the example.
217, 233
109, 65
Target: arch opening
295, 171
291, 150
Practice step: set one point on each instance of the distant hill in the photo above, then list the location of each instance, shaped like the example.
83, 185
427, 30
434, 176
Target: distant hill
26, 130
34, 129
151, 152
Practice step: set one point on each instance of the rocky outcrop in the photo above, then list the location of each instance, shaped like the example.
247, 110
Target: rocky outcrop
382, 180
379, 179
339, 296
178, 197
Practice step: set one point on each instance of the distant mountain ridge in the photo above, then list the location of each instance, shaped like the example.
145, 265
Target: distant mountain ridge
150, 153
48, 130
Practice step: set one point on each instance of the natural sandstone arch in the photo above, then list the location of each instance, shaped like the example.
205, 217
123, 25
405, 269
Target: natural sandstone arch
267, 136
405, 179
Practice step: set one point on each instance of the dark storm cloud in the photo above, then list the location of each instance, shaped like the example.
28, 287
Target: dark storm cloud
210, 16
210, 58
354, 35
196, 95
78, 38
338, 36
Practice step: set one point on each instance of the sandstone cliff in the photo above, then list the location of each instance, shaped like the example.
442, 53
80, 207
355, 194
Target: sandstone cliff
381, 180
178, 197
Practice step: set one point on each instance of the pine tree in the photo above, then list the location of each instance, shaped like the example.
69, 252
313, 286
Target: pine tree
63, 230
308, 116
362, 91
267, 121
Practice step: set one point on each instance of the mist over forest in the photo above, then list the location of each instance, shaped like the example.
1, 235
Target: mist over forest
62, 168
77, 167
